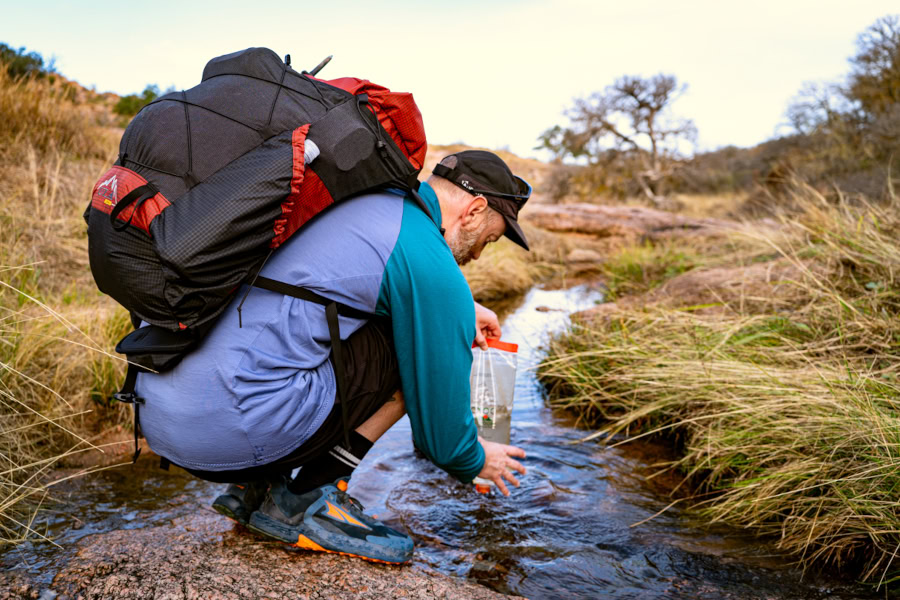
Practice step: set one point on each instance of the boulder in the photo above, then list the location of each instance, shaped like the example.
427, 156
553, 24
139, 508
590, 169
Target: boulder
584, 255
615, 221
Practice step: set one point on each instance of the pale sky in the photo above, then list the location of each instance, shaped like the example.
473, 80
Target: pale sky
492, 73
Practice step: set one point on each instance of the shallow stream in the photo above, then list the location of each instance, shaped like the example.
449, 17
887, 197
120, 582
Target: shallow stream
581, 525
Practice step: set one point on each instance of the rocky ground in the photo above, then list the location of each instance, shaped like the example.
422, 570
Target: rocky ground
204, 556
711, 291
599, 229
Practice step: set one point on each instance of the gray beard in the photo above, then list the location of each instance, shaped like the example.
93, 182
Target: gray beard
462, 243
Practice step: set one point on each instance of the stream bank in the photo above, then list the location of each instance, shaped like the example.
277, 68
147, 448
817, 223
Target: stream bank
769, 351
582, 524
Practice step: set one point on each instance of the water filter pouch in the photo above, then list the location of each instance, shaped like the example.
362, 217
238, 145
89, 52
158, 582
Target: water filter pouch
493, 384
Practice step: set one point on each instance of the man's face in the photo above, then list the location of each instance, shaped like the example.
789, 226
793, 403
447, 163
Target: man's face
470, 241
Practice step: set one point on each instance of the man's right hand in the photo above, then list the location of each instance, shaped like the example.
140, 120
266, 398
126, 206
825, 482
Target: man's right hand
499, 464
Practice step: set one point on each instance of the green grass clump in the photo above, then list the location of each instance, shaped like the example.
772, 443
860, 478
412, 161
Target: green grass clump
640, 268
787, 415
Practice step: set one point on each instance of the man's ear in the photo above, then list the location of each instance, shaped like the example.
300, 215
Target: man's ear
476, 209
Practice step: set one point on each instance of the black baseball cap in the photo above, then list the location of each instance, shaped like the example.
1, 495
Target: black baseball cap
483, 173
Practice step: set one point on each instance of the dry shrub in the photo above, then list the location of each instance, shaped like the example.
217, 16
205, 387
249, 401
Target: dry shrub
786, 412
45, 114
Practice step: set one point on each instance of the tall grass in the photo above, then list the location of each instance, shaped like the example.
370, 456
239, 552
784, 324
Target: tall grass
54, 142
785, 411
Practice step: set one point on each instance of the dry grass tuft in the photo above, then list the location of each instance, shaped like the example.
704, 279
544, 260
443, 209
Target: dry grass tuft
505, 269
43, 115
786, 409
53, 323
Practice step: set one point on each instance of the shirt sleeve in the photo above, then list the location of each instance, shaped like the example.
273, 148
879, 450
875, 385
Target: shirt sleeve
432, 313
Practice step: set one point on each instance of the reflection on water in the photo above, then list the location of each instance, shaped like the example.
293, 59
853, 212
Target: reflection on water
566, 532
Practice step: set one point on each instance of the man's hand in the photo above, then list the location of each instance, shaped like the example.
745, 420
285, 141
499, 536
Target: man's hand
486, 325
498, 463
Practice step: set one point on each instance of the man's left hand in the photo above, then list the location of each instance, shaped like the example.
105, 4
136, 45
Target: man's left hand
486, 325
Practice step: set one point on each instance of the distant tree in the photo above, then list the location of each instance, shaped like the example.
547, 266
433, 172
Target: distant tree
20, 63
628, 126
129, 105
854, 126
817, 105
875, 76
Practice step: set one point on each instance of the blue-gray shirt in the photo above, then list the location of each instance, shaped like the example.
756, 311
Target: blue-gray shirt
252, 394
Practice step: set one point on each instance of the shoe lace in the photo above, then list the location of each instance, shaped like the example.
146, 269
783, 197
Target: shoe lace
346, 498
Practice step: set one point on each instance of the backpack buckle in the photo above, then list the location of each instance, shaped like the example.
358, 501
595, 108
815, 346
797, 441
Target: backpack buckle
128, 398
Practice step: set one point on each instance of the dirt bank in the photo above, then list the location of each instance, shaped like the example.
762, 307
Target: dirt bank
206, 556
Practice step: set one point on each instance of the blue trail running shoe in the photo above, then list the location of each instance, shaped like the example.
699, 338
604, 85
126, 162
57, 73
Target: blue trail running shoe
241, 499
328, 519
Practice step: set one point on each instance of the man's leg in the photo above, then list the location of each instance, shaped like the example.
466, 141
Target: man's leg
385, 418
314, 511
340, 461
240, 499
374, 404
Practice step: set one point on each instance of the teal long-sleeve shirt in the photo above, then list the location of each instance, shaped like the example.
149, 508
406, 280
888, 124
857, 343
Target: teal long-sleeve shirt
432, 312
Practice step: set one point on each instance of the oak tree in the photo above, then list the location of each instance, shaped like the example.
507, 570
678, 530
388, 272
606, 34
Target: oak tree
628, 126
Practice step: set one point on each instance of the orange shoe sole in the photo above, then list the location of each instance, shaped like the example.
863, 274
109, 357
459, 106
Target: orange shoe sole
307, 544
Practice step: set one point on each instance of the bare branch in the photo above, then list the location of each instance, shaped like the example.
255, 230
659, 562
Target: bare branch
629, 121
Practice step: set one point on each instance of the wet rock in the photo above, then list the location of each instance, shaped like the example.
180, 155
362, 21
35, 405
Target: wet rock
616, 221
206, 556
548, 309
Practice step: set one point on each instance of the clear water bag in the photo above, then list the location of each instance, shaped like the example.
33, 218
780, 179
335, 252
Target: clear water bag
493, 384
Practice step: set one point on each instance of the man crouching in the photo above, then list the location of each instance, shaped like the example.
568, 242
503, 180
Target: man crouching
258, 399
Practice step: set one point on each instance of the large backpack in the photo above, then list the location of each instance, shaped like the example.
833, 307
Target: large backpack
209, 181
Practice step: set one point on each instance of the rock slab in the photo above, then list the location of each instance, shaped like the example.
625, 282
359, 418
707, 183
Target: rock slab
205, 556
614, 221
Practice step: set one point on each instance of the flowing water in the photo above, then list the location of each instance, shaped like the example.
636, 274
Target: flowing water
583, 524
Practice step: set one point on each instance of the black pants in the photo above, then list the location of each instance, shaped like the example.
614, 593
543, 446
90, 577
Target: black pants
370, 364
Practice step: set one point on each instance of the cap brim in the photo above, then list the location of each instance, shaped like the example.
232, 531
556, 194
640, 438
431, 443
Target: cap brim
514, 232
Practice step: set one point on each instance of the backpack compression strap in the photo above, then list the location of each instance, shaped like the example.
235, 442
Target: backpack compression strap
332, 310
137, 196
128, 396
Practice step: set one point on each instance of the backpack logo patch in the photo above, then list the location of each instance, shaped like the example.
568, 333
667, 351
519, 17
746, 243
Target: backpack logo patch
109, 191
